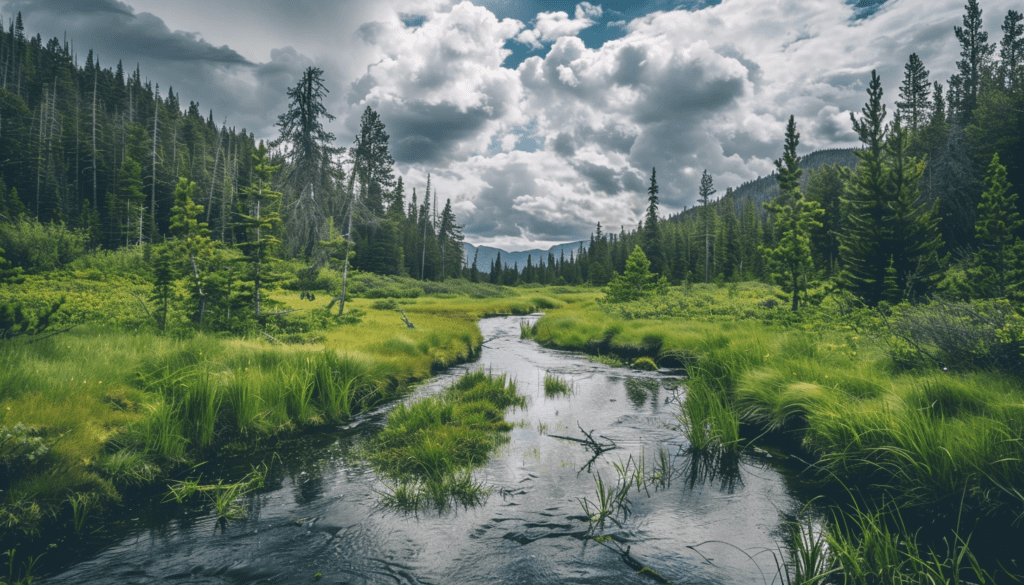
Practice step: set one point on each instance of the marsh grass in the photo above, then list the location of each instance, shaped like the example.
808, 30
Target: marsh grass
428, 449
815, 380
556, 386
610, 502
225, 497
708, 421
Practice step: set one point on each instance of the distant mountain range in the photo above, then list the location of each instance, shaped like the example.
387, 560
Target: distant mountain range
487, 255
764, 189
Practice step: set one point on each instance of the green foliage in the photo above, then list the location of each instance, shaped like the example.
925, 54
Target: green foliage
430, 447
37, 247
644, 364
262, 204
890, 228
637, 281
795, 218
999, 263
21, 446
556, 386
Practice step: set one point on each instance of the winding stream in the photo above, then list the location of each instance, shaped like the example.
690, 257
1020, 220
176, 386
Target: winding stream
320, 511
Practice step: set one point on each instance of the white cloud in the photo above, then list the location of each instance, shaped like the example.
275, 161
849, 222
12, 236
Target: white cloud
552, 26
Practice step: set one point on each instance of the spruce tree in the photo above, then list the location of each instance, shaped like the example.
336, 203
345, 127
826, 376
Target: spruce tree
707, 216
637, 281
790, 260
890, 248
864, 257
195, 245
997, 270
911, 224
651, 231
976, 55
262, 206
312, 172
1011, 54
914, 105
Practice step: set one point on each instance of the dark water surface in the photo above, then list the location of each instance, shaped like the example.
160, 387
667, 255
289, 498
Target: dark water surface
321, 513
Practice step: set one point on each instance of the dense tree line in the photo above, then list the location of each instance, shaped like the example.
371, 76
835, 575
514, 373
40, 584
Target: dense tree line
103, 152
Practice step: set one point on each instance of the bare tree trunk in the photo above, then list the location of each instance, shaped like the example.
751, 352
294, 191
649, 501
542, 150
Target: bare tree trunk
213, 179
156, 118
39, 159
95, 81
423, 252
344, 273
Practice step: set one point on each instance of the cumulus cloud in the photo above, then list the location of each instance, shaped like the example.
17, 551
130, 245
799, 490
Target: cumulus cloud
440, 86
552, 26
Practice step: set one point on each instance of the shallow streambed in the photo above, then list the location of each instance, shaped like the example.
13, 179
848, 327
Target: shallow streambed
320, 514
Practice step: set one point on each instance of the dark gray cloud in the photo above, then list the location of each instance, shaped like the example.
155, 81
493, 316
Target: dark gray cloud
600, 178
563, 144
430, 133
113, 27
496, 215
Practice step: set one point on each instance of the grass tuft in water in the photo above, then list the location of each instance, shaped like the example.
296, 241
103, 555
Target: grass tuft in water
556, 386
428, 449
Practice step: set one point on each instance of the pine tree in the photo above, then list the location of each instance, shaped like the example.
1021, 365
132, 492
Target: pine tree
976, 55
637, 281
997, 271
863, 255
1011, 54
707, 189
890, 248
262, 206
795, 217
194, 241
913, 109
825, 186
651, 231
450, 242
912, 225
312, 172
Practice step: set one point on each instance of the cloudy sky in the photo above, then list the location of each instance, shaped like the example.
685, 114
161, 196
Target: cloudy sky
537, 118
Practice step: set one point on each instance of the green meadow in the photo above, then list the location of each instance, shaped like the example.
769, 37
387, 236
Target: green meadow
105, 402
826, 381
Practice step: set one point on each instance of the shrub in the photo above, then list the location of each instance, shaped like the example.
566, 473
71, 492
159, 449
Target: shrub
955, 336
40, 247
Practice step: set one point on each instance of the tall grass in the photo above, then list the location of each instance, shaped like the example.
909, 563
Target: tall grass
428, 448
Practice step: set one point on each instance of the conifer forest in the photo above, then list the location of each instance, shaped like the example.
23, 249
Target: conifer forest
211, 334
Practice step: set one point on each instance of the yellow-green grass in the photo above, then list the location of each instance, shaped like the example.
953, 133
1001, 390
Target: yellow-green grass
428, 449
122, 404
924, 436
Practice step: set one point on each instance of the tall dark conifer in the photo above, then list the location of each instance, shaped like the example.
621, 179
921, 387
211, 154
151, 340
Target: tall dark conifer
976, 56
312, 173
914, 107
652, 233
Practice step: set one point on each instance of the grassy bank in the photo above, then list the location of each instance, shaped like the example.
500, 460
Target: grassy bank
925, 436
112, 402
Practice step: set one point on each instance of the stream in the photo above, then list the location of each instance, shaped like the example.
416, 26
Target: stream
320, 519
